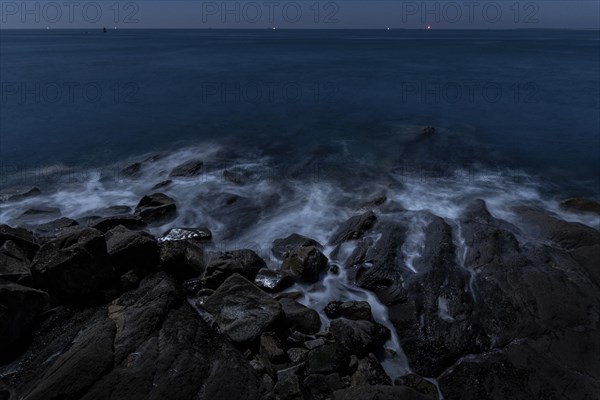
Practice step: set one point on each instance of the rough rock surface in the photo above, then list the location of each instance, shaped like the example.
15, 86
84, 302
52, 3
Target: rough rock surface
156, 208
222, 265
305, 263
354, 228
282, 247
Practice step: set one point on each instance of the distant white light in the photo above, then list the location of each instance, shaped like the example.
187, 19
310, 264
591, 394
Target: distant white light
274, 28
387, 29
428, 26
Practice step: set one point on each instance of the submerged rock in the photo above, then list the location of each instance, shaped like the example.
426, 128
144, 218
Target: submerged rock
156, 208
581, 205
234, 177
273, 280
132, 171
187, 169
17, 193
242, 310
305, 264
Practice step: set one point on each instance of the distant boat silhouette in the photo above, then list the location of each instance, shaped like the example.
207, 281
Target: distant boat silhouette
104, 29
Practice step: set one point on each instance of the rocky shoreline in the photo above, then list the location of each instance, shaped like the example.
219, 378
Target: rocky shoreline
98, 308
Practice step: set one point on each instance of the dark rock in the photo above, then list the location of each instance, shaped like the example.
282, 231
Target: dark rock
182, 259
132, 171
377, 392
354, 228
313, 344
234, 177
222, 265
353, 310
374, 201
272, 349
301, 318
162, 184
370, 372
14, 263
197, 234
326, 359
56, 227
156, 208
359, 337
17, 193
187, 169
281, 247
305, 264
567, 235
146, 345
581, 205
22, 238
105, 224
132, 250
236, 213
273, 280
242, 310
75, 268
334, 269
288, 388
129, 281
428, 130
40, 211
20, 307
297, 355
111, 211
321, 387
419, 384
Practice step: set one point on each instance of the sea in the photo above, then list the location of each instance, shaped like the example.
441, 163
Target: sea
317, 121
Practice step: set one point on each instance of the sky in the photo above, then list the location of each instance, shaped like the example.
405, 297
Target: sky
299, 14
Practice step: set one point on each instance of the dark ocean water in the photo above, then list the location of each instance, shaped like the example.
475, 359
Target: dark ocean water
523, 100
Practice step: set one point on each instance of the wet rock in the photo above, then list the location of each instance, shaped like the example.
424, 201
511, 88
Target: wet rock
162, 184
312, 344
353, 310
359, 337
382, 266
300, 318
148, 344
242, 310
156, 208
377, 392
282, 247
234, 177
272, 349
104, 224
222, 265
129, 281
581, 205
17, 193
188, 169
14, 263
273, 280
297, 355
182, 259
132, 170
305, 264
354, 228
113, 210
20, 307
21, 237
56, 227
370, 372
326, 359
39, 212
197, 234
374, 201
288, 388
320, 387
75, 268
419, 384
132, 250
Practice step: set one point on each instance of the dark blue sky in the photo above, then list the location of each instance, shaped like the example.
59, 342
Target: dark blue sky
316, 14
